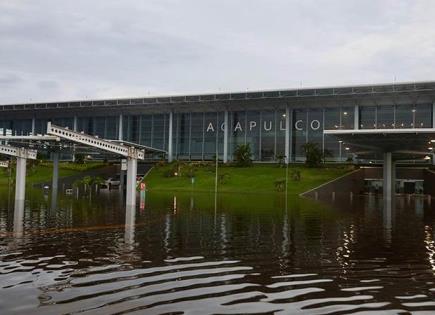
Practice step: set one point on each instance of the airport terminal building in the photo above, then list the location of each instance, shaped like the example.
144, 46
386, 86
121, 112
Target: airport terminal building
274, 123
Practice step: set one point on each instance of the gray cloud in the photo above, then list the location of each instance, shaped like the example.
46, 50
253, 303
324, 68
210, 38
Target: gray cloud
57, 50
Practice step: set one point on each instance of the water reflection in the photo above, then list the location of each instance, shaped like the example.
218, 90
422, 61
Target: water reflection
130, 221
387, 213
214, 254
19, 218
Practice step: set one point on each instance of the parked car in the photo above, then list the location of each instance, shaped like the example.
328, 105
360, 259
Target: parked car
111, 181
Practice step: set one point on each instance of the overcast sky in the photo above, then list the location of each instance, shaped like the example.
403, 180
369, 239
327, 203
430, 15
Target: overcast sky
79, 49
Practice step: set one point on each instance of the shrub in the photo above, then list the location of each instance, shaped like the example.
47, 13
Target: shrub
280, 184
168, 173
243, 155
313, 154
295, 175
281, 160
161, 163
79, 158
223, 178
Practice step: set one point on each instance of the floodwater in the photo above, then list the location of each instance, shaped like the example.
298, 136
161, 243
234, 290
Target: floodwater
238, 254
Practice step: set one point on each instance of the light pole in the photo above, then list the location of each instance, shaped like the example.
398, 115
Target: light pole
286, 180
339, 150
216, 171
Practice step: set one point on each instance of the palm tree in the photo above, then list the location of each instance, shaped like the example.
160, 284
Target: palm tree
243, 155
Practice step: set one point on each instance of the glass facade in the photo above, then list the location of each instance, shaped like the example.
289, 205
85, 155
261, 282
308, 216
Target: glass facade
200, 135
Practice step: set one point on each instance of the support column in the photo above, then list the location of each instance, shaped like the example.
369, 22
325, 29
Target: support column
75, 123
18, 218
33, 126
433, 115
74, 146
356, 118
130, 198
122, 169
287, 135
120, 127
20, 180
388, 176
55, 179
130, 220
225, 158
170, 153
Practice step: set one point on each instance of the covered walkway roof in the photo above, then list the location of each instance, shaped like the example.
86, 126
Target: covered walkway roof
403, 143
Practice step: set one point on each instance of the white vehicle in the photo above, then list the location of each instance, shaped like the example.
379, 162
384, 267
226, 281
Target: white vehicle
113, 182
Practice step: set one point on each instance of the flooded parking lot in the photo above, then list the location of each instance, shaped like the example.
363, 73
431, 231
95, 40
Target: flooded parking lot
234, 254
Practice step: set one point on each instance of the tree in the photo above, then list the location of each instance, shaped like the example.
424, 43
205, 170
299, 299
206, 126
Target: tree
313, 154
281, 160
87, 181
79, 158
243, 155
96, 181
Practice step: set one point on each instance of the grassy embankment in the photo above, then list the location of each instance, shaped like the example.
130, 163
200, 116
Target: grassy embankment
254, 179
44, 171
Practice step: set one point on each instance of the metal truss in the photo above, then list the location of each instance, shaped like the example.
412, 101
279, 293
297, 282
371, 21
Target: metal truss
18, 152
73, 136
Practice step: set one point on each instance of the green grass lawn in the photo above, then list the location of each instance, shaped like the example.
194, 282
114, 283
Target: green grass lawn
254, 179
44, 171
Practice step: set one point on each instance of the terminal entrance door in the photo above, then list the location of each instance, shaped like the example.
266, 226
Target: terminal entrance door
409, 187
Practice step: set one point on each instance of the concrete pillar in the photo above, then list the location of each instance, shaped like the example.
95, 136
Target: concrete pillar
287, 135
74, 146
226, 127
120, 127
122, 169
55, 178
433, 115
18, 218
75, 123
388, 176
130, 220
356, 118
387, 215
170, 153
20, 180
130, 199
33, 126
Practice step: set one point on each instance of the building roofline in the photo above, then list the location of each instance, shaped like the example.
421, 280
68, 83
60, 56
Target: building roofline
255, 94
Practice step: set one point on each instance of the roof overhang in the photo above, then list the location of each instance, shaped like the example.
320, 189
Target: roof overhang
404, 143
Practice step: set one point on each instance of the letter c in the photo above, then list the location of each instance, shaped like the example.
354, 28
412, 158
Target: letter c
297, 125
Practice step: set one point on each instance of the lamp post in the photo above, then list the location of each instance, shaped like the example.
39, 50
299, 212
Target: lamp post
216, 172
286, 180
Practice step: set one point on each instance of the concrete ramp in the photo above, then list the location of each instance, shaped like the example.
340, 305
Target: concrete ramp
350, 183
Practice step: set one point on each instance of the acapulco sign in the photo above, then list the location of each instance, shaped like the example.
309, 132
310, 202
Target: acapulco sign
266, 126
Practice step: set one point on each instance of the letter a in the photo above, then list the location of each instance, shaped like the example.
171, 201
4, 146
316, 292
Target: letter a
238, 126
210, 127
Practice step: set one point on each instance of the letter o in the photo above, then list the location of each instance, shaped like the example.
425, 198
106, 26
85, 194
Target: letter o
317, 124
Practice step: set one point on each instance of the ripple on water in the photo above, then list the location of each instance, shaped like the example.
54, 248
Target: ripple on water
302, 262
187, 286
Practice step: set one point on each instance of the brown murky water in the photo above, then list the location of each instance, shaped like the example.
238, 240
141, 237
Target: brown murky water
248, 255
